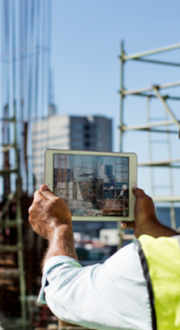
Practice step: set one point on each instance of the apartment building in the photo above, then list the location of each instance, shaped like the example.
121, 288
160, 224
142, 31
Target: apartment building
69, 132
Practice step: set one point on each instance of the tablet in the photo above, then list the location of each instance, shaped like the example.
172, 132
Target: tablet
94, 185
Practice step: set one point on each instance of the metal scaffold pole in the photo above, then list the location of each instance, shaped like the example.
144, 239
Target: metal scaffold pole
19, 227
120, 230
121, 95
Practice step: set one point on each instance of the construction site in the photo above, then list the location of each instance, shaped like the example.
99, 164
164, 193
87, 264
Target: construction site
26, 99
92, 185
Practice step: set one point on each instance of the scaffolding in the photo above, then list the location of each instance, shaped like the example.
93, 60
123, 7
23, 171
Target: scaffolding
164, 125
25, 98
12, 276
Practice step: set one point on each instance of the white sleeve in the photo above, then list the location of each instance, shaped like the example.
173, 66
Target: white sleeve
108, 296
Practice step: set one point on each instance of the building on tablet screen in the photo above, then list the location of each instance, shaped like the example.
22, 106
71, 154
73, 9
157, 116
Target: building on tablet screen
69, 132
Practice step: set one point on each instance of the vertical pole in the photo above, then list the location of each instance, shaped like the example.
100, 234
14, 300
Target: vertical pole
122, 96
19, 228
172, 208
150, 148
6, 141
120, 230
20, 253
49, 53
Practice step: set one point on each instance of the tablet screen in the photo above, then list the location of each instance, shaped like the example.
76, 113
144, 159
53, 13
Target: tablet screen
92, 185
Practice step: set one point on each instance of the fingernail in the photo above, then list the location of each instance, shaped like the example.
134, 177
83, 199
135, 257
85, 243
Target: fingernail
44, 187
134, 188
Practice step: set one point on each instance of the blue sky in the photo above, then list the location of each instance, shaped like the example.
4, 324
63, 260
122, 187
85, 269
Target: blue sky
85, 45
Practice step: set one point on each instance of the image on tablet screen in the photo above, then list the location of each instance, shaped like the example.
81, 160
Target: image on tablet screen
92, 185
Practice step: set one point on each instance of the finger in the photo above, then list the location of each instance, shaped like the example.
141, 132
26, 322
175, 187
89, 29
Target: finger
30, 209
46, 192
138, 192
123, 225
37, 194
127, 225
37, 198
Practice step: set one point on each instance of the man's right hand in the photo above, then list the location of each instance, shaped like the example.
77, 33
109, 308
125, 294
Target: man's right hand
145, 219
48, 213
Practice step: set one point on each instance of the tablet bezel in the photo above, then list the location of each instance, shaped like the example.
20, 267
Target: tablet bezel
48, 176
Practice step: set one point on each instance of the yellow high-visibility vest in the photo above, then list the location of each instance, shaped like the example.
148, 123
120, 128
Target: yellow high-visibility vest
160, 258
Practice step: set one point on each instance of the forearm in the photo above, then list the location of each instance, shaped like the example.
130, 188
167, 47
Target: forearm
61, 243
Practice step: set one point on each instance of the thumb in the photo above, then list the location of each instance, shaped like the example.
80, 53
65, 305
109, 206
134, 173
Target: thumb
46, 192
138, 192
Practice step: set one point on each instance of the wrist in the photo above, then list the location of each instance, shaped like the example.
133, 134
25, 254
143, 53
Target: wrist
58, 233
61, 243
148, 227
155, 229
61, 239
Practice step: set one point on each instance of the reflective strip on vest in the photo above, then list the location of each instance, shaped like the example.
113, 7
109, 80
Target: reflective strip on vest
163, 259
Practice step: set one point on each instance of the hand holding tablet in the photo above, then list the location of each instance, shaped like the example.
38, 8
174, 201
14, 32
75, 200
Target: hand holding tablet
94, 185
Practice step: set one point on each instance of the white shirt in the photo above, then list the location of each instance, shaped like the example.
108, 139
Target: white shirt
108, 296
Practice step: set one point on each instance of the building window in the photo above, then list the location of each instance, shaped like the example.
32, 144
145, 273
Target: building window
76, 145
76, 135
77, 127
86, 127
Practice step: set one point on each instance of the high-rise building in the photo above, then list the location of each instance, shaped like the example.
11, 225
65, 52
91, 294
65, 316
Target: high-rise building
69, 132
